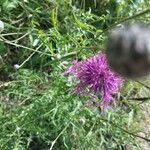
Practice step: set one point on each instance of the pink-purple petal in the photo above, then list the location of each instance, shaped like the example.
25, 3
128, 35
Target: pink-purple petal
95, 75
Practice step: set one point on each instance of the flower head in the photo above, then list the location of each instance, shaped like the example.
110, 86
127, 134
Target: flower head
96, 77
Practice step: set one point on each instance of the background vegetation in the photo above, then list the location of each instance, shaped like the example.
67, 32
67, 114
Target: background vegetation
40, 40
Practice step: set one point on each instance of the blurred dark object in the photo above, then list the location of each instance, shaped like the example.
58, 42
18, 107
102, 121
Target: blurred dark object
128, 50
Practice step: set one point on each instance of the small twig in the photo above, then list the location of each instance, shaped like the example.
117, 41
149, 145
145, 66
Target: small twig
8, 34
53, 143
142, 84
125, 19
21, 46
23, 102
135, 135
126, 131
140, 99
5, 84
29, 56
16, 40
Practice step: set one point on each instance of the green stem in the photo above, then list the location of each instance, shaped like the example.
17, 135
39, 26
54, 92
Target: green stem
126, 131
125, 19
140, 99
142, 84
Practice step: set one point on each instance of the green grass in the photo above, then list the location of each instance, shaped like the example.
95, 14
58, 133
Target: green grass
38, 111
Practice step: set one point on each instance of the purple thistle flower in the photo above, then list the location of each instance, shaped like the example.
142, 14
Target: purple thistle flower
96, 77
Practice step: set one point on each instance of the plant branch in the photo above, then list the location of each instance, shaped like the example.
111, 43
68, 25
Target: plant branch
21, 46
142, 84
29, 56
126, 131
140, 98
125, 19
53, 143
